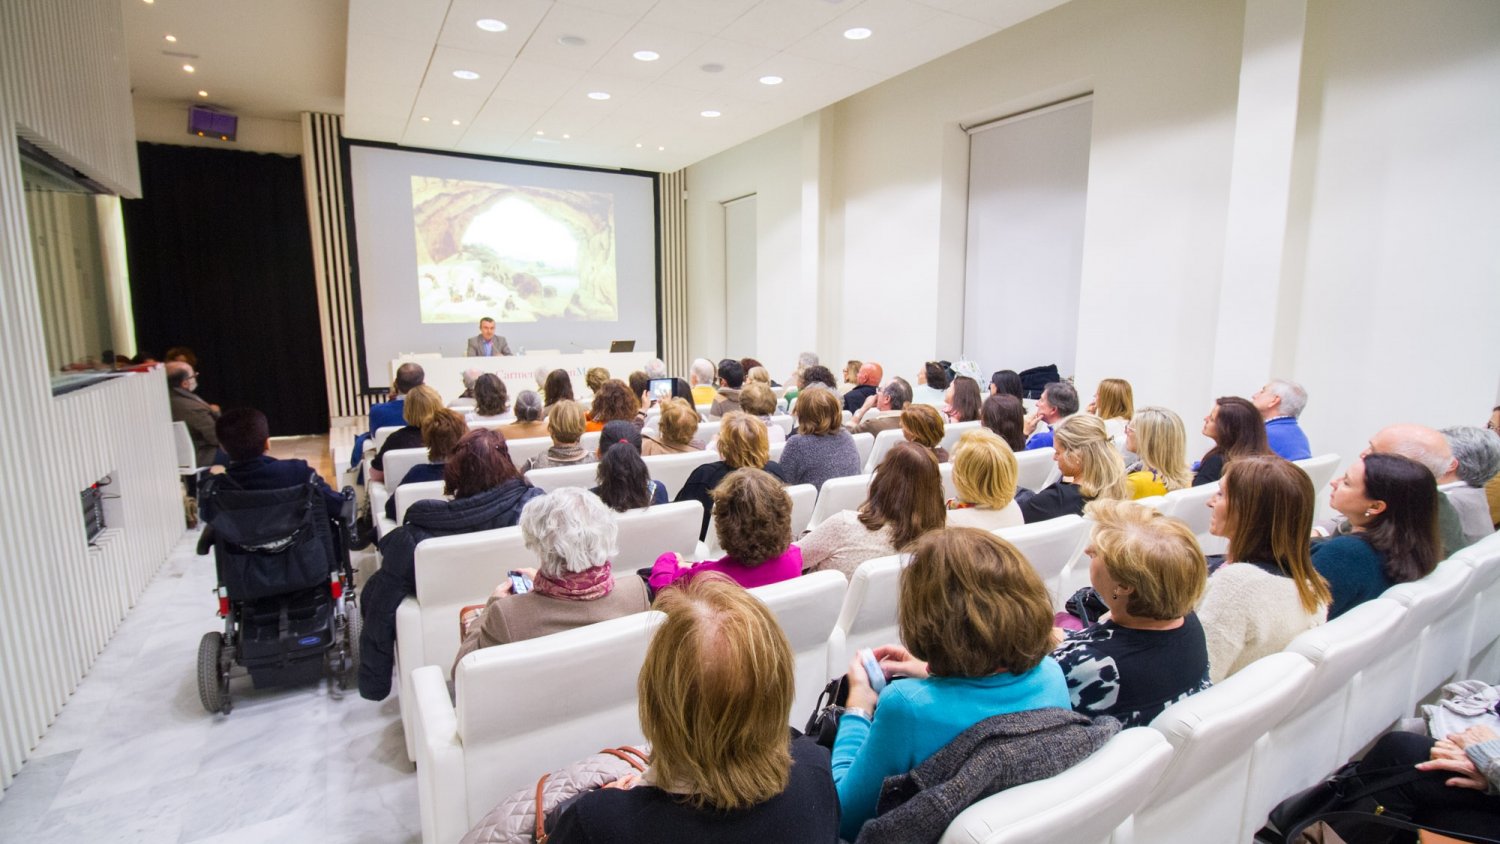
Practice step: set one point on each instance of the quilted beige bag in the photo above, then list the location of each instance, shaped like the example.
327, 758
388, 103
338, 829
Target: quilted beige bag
521, 817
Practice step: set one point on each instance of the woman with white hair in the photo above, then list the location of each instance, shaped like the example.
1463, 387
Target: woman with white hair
573, 535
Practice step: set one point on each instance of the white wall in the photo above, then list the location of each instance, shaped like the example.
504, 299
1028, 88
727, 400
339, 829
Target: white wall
1399, 265
1390, 278
61, 599
160, 122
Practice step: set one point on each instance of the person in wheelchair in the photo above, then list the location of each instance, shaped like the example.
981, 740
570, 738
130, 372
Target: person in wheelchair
245, 436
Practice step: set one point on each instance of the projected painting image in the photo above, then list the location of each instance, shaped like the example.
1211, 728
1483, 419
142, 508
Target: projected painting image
513, 252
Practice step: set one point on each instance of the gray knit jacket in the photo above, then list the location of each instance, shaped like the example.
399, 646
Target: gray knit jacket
991, 756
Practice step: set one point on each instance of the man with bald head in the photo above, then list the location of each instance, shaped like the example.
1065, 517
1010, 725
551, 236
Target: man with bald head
187, 407
1430, 448
866, 383
390, 414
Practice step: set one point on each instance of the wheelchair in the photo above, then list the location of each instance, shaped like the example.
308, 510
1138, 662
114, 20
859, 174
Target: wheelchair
285, 589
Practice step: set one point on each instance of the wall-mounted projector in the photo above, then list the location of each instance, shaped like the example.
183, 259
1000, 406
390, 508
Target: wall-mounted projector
208, 123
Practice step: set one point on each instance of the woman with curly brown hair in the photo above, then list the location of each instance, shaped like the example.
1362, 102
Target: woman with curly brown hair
612, 401
753, 520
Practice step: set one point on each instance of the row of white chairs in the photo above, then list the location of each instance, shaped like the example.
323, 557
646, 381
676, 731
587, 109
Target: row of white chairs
1208, 769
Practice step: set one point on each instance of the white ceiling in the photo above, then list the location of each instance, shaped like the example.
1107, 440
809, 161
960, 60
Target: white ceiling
275, 58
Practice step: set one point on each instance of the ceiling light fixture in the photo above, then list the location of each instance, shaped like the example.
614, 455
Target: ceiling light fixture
540, 132
455, 123
189, 68
426, 119
491, 25
149, 2
709, 113
637, 146
646, 55
567, 137
465, 74
202, 93
661, 149
598, 95
858, 33
572, 41
771, 80
171, 38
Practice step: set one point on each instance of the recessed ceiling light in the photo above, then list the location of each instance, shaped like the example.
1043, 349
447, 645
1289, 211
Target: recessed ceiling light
491, 25
709, 113
189, 68
858, 33
566, 136
712, 67
465, 74
637, 146
598, 95
646, 55
661, 149
202, 93
426, 119
149, 2
540, 132
572, 41
171, 38
455, 123
771, 80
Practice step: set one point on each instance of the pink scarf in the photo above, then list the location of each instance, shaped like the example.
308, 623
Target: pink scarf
587, 585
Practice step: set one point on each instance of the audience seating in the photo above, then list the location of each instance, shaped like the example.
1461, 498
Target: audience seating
945, 472
557, 477
1201, 796
1320, 471
868, 616
1034, 467
1191, 506
649, 532
1482, 648
1430, 603
411, 493
863, 443
520, 711
672, 470
884, 441
187, 455
491, 422
839, 494
776, 450
807, 608
953, 431
452, 572
380, 434
398, 461
522, 450
1053, 547
786, 422
1085, 804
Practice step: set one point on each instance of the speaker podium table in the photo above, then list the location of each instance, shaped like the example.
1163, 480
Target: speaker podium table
446, 374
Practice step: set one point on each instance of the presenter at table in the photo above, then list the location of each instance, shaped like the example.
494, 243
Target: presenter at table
487, 344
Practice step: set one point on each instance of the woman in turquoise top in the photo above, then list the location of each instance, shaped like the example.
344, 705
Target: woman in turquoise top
978, 622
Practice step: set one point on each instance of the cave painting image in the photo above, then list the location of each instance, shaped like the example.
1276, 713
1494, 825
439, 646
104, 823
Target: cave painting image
512, 252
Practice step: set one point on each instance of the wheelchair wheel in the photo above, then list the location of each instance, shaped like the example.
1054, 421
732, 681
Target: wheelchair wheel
348, 672
213, 674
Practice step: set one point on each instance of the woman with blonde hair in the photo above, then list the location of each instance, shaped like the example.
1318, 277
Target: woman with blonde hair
675, 429
1091, 469
923, 424
566, 425
978, 622
1114, 402
753, 522
1156, 435
905, 501
821, 448
422, 403
742, 443
757, 400
1266, 592
1148, 570
984, 474
715, 698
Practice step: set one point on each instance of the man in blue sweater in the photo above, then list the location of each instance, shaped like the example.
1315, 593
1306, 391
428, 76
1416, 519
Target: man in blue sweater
1280, 402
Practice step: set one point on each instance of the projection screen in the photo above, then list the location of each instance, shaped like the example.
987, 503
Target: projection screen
561, 258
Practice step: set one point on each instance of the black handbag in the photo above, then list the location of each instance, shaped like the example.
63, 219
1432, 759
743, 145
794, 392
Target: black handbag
823, 726
1344, 800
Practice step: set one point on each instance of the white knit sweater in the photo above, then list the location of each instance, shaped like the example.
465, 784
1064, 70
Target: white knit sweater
1248, 613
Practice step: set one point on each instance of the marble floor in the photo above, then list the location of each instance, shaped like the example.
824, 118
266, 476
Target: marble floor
133, 757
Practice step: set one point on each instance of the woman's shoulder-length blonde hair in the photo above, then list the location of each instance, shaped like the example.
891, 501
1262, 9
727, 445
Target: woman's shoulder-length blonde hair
1103, 469
1161, 442
743, 441
1116, 399
985, 470
1155, 555
715, 696
679, 421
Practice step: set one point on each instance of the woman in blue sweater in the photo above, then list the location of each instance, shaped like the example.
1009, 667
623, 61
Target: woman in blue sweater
979, 624
1391, 504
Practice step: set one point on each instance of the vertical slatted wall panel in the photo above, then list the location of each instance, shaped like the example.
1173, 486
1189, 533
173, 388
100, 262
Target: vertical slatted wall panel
64, 87
674, 281
324, 178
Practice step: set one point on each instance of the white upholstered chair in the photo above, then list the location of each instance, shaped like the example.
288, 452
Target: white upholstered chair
522, 450
1201, 796
883, 443
807, 608
953, 431
411, 493
1033, 468
649, 532
521, 710
398, 461
868, 616
1089, 803
838, 494
1054, 548
864, 444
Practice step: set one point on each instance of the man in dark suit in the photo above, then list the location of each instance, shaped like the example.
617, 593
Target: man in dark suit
487, 344
187, 407
244, 433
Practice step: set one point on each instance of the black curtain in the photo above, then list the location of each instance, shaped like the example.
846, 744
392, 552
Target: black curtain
221, 261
